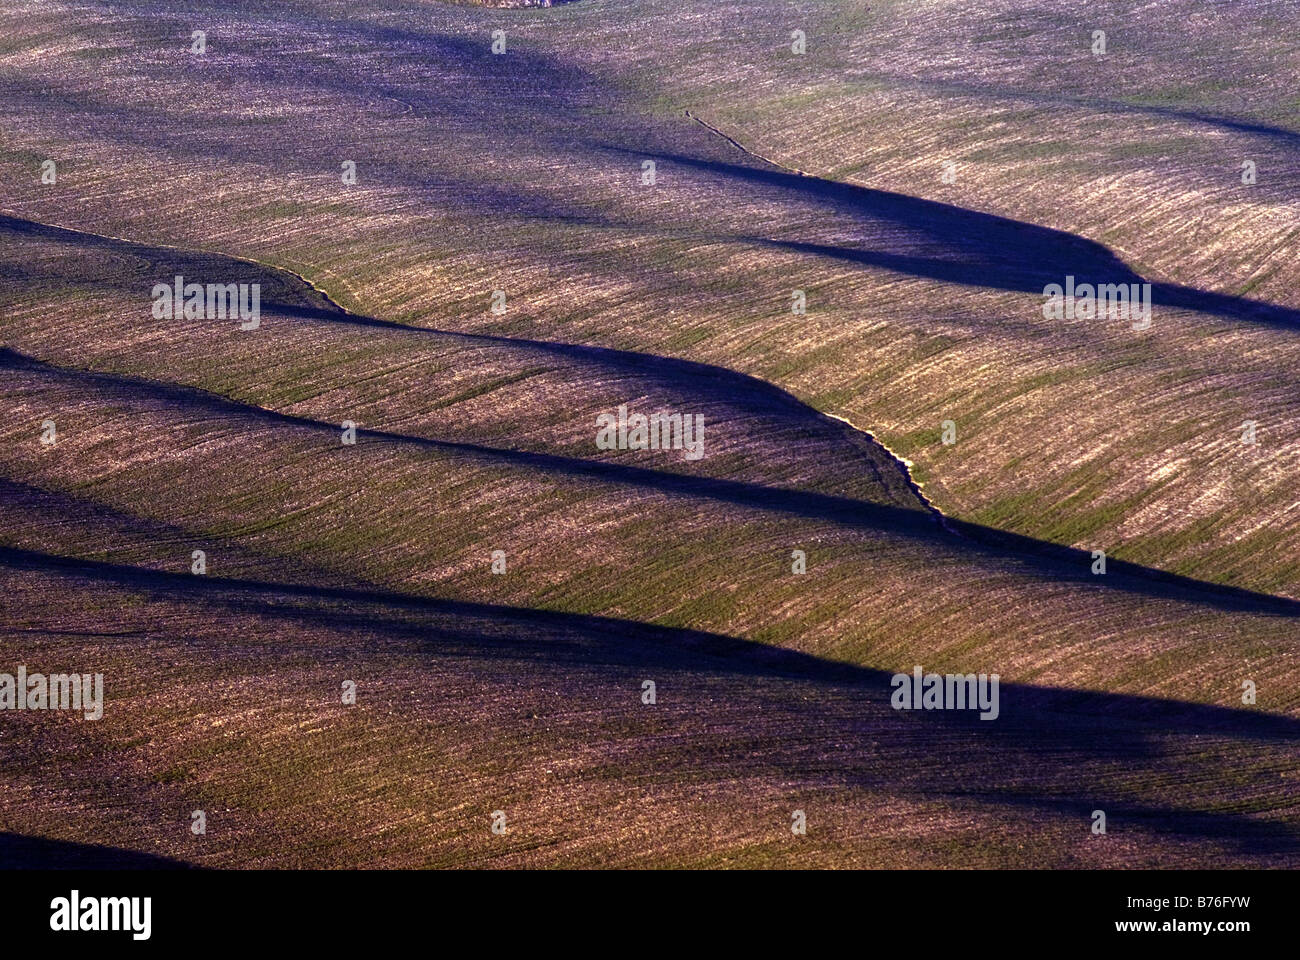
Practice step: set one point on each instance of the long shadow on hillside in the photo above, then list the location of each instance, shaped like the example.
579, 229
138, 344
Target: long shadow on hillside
639, 645
705, 380
434, 86
716, 383
1037, 558
1050, 749
18, 852
634, 643
961, 246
